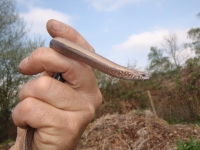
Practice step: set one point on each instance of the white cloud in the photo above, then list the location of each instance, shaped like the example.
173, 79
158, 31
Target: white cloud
36, 18
137, 46
108, 5
142, 41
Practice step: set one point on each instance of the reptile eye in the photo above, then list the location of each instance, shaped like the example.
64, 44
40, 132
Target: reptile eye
144, 76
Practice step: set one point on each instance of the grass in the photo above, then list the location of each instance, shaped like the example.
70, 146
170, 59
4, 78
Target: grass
197, 122
6, 142
188, 145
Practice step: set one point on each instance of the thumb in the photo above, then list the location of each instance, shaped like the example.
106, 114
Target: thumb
59, 29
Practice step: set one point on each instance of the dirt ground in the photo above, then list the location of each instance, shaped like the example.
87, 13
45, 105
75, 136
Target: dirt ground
135, 131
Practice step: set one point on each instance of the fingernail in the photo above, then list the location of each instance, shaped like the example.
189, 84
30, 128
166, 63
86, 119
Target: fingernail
22, 64
58, 26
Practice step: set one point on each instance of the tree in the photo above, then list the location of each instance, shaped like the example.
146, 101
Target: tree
194, 34
15, 45
158, 63
175, 52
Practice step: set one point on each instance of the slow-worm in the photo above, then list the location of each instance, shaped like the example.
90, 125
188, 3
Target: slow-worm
76, 52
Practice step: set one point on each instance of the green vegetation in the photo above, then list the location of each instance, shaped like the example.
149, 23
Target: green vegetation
6, 142
176, 95
188, 145
15, 45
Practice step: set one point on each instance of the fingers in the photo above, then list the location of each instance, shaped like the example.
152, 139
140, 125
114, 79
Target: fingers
59, 29
55, 128
43, 113
55, 28
35, 113
75, 73
55, 93
46, 59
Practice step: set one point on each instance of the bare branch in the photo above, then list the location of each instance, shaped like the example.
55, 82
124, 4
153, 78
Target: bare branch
176, 52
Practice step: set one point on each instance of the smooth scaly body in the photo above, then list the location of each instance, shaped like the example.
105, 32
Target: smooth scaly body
71, 50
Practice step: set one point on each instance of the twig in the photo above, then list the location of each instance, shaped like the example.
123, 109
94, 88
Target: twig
151, 101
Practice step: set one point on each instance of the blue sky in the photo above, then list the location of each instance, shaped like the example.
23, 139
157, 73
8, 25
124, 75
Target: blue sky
120, 30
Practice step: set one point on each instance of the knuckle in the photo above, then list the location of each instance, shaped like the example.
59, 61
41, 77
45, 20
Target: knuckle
90, 111
35, 55
23, 109
26, 105
43, 84
36, 87
38, 54
98, 99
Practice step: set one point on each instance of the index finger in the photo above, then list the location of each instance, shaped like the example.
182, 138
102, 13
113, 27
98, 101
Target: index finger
59, 29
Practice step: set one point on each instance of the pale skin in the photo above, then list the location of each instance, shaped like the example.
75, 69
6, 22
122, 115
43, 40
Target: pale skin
60, 112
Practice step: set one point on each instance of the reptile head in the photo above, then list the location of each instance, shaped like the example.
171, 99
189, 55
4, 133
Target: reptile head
144, 76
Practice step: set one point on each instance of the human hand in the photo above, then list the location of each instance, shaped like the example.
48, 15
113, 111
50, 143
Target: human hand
59, 111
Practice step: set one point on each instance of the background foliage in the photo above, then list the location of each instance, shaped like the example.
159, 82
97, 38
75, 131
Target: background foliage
15, 45
174, 85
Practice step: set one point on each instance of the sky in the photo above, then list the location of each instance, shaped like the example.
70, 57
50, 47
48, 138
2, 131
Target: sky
120, 30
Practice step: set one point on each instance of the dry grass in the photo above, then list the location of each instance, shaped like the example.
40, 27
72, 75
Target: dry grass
134, 131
